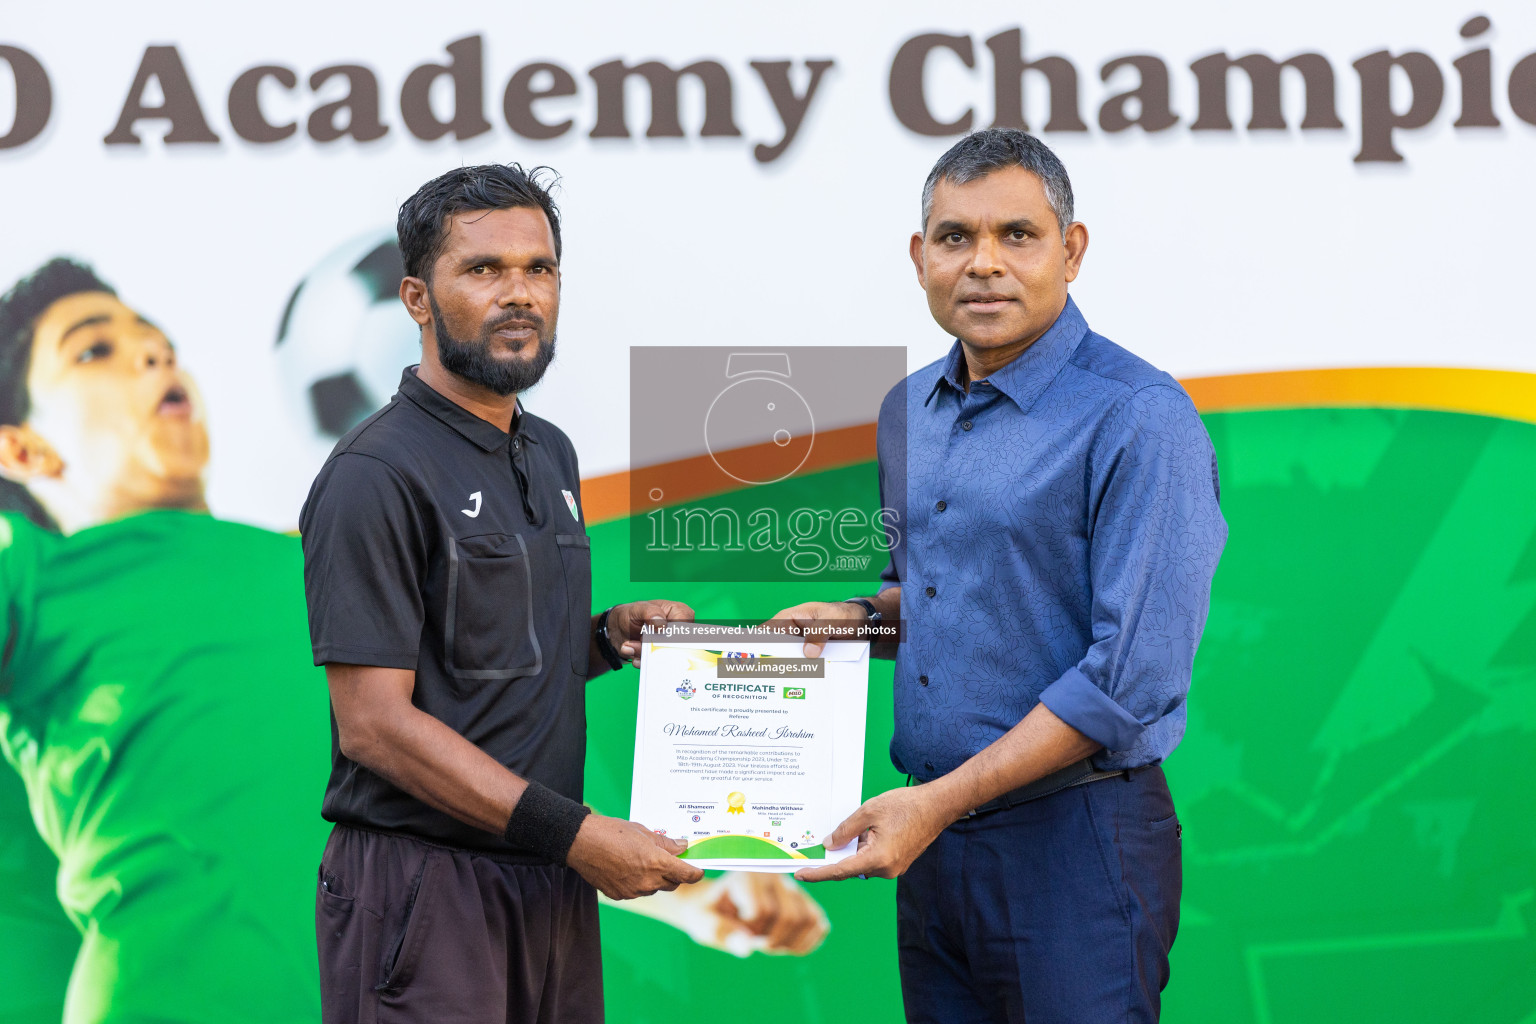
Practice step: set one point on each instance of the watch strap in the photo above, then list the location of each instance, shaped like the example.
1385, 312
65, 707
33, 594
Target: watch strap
605, 645
868, 606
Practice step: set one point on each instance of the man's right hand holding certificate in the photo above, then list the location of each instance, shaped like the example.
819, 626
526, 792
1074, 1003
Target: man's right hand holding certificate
894, 828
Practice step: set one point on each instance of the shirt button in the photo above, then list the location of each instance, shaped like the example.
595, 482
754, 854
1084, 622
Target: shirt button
931, 592
941, 506
966, 425
923, 680
928, 765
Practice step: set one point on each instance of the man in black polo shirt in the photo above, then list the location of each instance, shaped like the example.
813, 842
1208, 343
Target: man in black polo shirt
449, 583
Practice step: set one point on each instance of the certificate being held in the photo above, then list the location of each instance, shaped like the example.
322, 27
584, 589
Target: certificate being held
748, 751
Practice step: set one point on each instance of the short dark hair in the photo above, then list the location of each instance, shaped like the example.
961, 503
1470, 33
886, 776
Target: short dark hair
991, 149
20, 309
422, 224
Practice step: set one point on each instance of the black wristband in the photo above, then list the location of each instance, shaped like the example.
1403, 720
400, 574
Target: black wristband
545, 823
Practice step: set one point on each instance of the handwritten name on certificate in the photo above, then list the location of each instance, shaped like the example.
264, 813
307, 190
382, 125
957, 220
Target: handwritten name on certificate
743, 750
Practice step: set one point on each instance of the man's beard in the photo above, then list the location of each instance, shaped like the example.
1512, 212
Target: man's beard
472, 360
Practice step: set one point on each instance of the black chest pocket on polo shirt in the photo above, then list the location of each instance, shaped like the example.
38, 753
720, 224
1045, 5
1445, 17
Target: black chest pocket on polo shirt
489, 625
576, 560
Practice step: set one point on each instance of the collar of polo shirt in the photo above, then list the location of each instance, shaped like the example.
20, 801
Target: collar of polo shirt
474, 429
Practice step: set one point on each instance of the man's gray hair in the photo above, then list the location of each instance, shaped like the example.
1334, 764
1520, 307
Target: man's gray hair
991, 149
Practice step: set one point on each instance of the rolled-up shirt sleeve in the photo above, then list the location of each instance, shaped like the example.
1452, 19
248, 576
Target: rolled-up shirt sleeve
1156, 535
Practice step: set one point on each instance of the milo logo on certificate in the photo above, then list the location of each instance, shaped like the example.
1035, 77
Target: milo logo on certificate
794, 693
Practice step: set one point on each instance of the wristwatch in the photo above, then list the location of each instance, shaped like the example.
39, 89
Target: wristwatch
868, 606
605, 645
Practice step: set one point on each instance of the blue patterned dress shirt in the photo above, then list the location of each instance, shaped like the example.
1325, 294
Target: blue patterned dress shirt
1060, 535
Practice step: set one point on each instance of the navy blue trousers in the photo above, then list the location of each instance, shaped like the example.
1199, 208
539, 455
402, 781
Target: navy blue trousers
1058, 911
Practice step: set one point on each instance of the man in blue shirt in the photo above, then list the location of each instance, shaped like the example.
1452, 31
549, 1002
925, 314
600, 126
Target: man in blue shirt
1052, 570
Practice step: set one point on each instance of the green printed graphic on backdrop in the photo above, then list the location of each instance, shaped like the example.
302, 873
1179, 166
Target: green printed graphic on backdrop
1359, 843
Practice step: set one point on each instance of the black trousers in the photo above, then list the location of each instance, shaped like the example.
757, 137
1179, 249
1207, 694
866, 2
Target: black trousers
412, 931
1058, 911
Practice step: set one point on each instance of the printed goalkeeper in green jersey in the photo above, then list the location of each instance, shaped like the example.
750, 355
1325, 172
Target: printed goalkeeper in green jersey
156, 696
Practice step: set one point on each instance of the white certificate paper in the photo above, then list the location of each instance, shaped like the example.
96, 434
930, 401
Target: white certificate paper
753, 770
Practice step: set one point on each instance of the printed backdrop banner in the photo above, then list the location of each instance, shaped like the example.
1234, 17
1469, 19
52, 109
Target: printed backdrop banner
1315, 216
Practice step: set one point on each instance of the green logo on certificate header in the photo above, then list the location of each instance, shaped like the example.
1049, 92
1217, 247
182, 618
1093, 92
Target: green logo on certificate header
794, 693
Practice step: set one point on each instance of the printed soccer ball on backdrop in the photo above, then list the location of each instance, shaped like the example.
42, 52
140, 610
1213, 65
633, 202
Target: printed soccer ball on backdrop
345, 337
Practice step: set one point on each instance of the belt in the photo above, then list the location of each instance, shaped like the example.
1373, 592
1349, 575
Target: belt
1076, 774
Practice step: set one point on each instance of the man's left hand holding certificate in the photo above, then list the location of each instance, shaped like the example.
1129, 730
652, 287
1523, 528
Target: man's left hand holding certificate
746, 751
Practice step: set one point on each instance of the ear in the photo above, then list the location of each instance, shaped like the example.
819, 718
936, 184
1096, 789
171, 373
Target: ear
413, 292
25, 456
915, 250
1076, 244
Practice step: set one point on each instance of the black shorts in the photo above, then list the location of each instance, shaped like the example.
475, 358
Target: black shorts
412, 931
